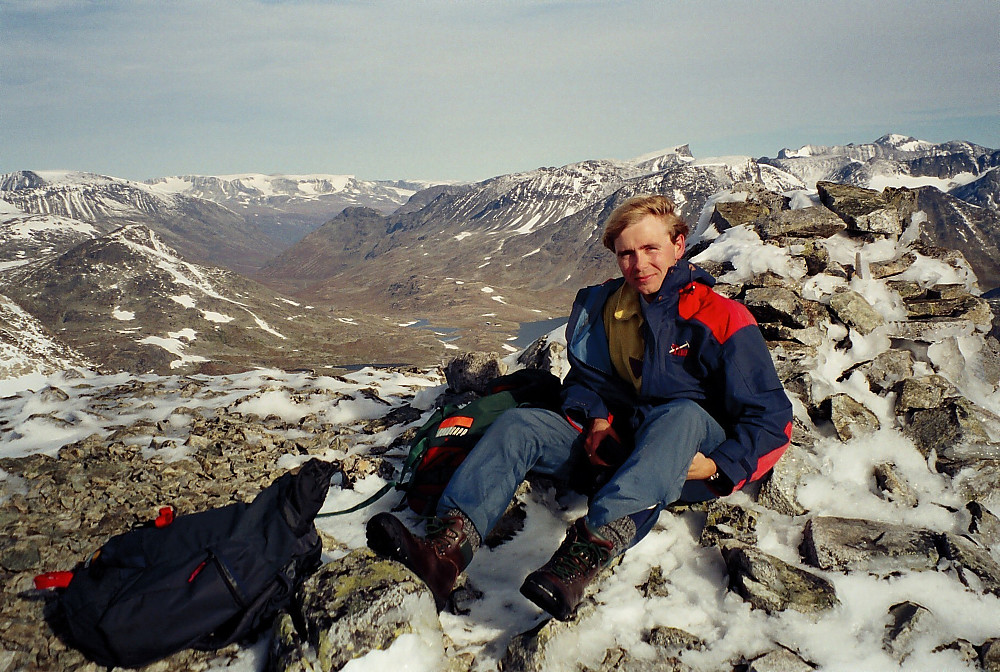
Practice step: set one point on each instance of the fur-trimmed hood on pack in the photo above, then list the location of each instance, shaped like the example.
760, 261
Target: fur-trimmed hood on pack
699, 345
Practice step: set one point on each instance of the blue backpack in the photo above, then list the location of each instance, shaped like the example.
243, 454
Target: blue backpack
203, 580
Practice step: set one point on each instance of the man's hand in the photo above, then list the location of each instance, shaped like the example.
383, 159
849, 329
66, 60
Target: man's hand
701, 468
598, 430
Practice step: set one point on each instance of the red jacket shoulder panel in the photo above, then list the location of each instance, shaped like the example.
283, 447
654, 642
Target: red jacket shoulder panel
723, 316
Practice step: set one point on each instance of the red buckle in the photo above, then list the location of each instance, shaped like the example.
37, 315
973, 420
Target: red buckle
53, 580
165, 518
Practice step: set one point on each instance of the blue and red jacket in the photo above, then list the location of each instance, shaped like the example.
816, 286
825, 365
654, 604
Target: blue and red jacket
699, 345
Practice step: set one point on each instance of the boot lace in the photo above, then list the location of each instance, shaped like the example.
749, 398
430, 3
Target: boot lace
441, 533
579, 557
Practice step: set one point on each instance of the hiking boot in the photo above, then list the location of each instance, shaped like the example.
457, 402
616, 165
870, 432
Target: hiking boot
559, 585
437, 558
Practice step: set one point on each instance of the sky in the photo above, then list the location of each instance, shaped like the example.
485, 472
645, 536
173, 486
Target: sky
449, 90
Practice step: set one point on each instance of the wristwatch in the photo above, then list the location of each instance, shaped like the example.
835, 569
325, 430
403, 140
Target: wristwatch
713, 478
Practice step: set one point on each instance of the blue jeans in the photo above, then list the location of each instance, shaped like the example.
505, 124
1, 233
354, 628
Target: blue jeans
535, 440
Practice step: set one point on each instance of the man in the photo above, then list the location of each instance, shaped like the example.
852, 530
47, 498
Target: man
671, 395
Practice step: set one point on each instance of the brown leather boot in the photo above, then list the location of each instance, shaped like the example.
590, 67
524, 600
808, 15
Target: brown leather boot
559, 585
437, 559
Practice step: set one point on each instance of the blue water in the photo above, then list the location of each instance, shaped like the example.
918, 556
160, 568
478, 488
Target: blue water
529, 331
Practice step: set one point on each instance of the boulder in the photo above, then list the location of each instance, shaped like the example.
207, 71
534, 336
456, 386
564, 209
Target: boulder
984, 525
352, 606
771, 584
887, 369
921, 393
727, 215
835, 543
813, 222
850, 418
853, 310
970, 557
472, 372
956, 420
729, 522
864, 210
778, 492
781, 305
890, 267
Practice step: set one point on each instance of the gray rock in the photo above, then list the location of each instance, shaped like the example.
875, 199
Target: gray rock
892, 486
729, 522
887, 369
618, 659
954, 423
984, 525
778, 491
771, 584
906, 621
543, 354
969, 556
352, 606
673, 640
779, 660
816, 257
853, 310
989, 655
727, 215
885, 269
472, 371
921, 393
864, 210
850, 418
655, 585
782, 305
835, 543
812, 222
979, 482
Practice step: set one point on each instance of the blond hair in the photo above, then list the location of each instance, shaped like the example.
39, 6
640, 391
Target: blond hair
637, 207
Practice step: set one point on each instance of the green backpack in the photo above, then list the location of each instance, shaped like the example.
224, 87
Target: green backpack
444, 441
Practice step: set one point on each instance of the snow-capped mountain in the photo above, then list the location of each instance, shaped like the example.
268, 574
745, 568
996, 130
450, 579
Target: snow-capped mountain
287, 207
477, 259
66, 203
892, 160
539, 231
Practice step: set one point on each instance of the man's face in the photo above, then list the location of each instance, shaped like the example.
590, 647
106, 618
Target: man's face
645, 254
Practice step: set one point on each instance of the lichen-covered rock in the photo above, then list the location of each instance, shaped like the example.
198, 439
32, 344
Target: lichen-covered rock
853, 310
887, 369
850, 417
955, 421
865, 210
922, 392
771, 584
352, 606
673, 640
472, 371
984, 525
835, 543
729, 522
812, 222
781, 305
